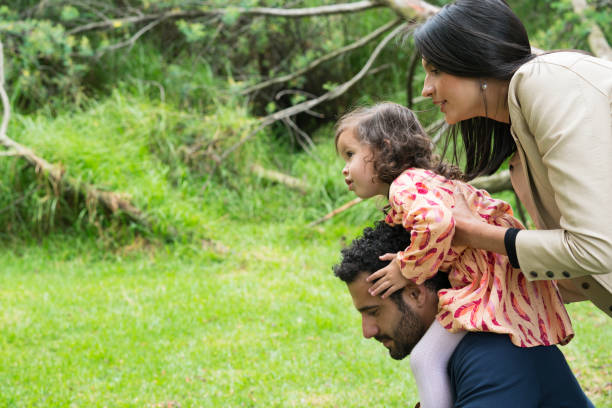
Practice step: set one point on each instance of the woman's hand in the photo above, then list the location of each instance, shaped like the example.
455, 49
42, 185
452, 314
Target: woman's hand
472, 231
388, 279
465, 221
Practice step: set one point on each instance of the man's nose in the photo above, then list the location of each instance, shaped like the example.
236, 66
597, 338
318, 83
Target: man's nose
368, 327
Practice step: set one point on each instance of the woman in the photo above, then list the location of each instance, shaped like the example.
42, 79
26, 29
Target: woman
551, 114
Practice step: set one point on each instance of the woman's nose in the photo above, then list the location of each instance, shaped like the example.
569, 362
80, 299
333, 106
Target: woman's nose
427, 91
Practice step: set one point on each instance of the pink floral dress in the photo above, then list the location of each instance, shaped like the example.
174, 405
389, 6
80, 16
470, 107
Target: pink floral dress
487, 293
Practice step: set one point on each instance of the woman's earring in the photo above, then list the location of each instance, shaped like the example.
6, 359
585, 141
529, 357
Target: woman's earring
483, 86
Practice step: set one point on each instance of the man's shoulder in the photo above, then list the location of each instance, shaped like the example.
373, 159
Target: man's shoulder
477, 349
486, 369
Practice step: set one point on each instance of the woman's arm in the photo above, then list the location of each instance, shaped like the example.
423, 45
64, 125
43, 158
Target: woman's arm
472, 231
561, 116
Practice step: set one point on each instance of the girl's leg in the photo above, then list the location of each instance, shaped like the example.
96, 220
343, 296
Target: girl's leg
429, 362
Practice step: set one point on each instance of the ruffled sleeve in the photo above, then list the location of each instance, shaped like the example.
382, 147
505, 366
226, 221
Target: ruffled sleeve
418, 207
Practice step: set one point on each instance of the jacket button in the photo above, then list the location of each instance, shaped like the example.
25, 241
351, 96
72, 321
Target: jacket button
550, 274
566, 274
585, 285
533, 274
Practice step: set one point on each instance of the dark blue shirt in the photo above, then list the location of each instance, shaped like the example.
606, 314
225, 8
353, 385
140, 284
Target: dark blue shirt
488, 371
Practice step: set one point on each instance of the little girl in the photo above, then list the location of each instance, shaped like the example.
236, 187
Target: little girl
388, 153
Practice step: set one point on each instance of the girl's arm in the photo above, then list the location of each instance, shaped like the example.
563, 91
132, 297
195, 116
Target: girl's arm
431, 223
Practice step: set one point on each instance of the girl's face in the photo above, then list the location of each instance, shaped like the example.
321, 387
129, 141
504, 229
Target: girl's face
359, 170
459, 98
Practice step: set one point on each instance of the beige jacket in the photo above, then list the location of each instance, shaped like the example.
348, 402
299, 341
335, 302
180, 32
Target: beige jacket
561, 117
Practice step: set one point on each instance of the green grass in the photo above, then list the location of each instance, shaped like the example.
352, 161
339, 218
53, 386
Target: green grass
260, 321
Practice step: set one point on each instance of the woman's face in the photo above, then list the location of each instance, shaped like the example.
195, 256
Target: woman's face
459, 98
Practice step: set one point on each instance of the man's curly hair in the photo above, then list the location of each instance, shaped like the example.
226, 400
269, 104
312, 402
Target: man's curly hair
362, 255
397, 139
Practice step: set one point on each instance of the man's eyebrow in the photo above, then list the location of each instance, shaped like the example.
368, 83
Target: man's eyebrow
366, 308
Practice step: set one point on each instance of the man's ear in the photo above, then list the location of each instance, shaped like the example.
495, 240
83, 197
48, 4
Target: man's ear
415, 295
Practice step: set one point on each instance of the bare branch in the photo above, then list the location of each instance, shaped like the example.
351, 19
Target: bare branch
412, 10
414, 59
337, 91
131, 41
357, 44
255, 11
338, 210
494, 183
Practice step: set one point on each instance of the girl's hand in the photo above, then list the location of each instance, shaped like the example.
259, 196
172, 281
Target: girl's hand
389, 279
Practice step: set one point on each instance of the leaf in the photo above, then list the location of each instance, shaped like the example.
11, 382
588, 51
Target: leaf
69, 13
231, 15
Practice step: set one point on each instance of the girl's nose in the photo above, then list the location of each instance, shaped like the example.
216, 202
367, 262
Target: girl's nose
345, 171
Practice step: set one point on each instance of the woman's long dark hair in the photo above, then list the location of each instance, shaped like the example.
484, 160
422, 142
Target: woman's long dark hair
477, 39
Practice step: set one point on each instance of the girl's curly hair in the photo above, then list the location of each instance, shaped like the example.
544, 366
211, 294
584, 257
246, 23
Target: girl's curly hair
397, 140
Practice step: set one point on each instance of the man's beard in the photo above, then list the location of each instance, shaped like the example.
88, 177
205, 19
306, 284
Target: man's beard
407, 334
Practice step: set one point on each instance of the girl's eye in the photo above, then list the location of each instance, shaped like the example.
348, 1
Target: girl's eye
349, 154
435, 71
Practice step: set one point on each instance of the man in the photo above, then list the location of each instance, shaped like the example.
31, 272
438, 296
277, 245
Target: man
485, 369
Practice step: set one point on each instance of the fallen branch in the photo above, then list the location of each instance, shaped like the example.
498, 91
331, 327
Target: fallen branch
357, 44
109, 200
279, 177
255, 11
597, 40
494, 183
338, 210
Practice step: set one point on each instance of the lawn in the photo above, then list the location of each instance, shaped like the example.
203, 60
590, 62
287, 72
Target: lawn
257, 319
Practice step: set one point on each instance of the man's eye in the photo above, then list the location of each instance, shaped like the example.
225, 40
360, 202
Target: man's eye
373, 312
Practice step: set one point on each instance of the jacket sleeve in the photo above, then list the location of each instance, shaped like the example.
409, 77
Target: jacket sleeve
570, 118
432, 228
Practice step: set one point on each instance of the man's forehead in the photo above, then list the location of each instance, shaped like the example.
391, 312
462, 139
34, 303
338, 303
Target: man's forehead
359, 292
